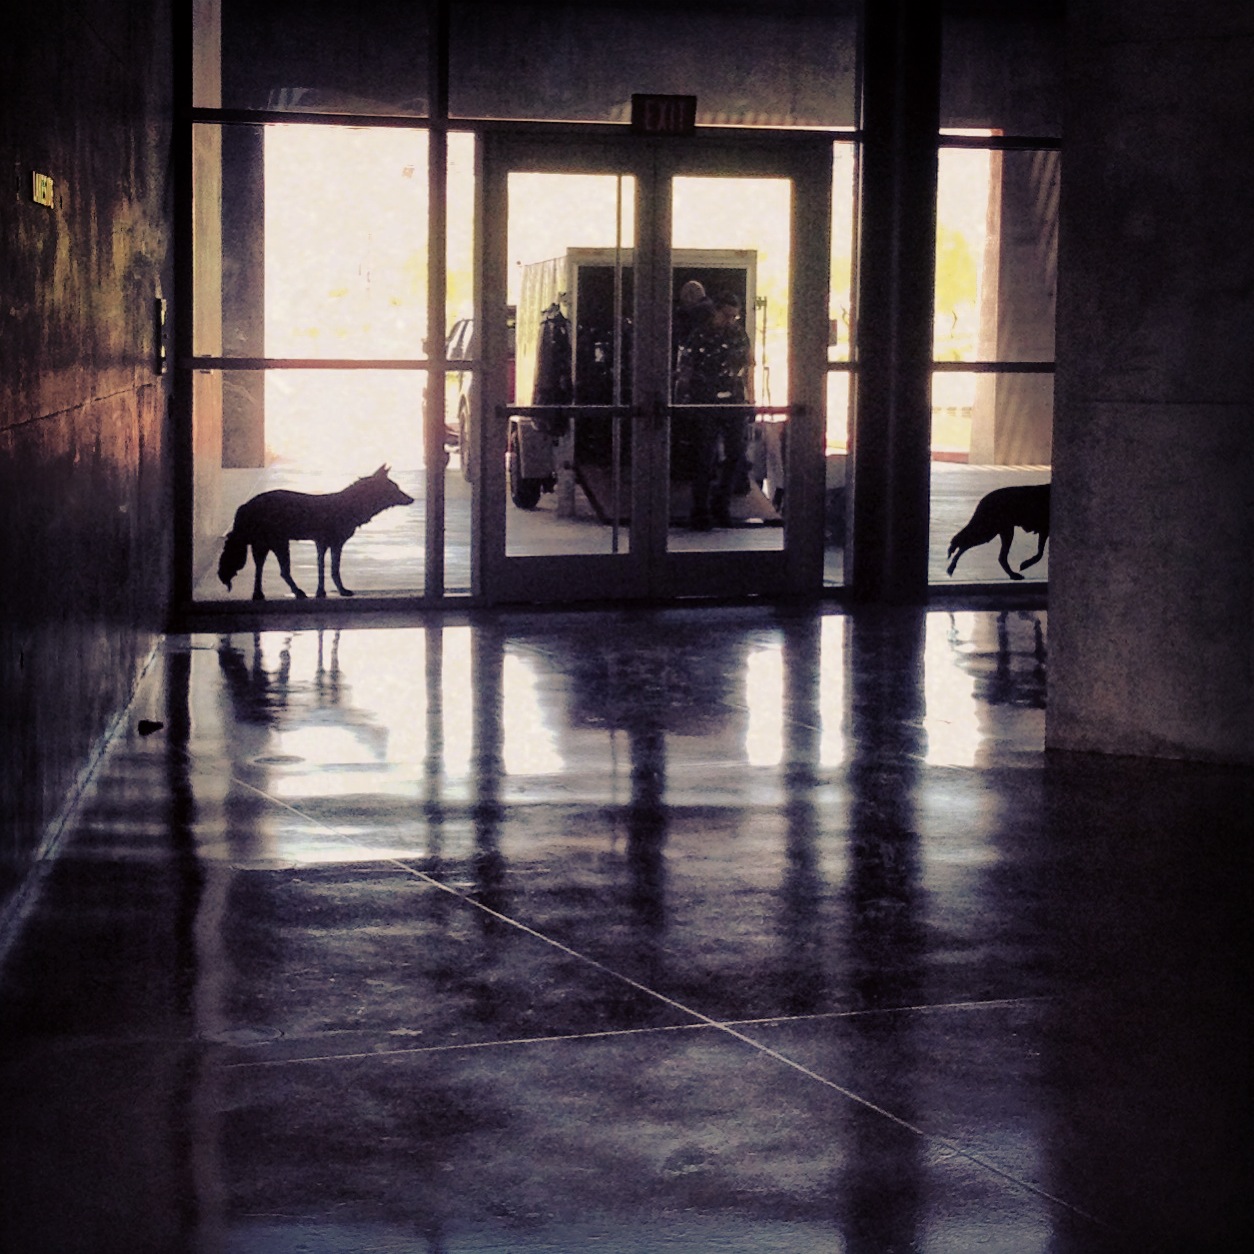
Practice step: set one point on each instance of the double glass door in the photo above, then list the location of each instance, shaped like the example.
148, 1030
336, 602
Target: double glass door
646, 417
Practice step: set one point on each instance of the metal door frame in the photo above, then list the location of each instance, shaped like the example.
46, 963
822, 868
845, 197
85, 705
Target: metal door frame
648, 570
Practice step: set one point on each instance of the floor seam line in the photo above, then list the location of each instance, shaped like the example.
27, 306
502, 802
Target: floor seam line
759, 1047
607, 1034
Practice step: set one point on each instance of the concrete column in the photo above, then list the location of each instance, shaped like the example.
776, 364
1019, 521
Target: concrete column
891, 463
1151, 595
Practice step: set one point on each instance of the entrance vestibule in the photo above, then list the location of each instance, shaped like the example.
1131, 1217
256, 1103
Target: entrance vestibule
589, 465
393, 214
583, 491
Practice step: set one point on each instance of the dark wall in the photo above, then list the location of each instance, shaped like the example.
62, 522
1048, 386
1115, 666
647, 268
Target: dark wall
85, 97
1151, 590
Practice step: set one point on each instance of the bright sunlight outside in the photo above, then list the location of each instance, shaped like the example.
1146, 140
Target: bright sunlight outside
346, 277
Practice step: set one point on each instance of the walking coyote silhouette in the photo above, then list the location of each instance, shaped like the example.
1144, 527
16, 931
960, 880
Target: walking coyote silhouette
998, 514
270, 521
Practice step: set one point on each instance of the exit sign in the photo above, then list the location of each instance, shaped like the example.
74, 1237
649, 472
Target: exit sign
664, 115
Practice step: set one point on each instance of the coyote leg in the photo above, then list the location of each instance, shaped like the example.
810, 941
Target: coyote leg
335, 571
1040, 551
1007, 536
283, 552
260, 552
322, 579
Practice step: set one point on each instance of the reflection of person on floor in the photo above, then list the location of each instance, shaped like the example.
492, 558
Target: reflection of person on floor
713, 369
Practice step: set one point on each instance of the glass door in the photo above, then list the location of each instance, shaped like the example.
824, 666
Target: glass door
649, 411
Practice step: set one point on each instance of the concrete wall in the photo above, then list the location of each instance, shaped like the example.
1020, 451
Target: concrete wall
1151, 596
85, 97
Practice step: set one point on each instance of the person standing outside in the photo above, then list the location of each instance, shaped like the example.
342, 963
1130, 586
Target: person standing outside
692, 310
713, 369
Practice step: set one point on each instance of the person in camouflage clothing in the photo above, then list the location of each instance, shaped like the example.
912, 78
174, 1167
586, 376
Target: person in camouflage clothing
713, 369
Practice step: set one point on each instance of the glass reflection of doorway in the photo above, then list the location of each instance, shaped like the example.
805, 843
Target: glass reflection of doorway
595, 452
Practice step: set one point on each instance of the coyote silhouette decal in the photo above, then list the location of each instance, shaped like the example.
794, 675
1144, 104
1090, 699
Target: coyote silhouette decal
269, 522
997, 515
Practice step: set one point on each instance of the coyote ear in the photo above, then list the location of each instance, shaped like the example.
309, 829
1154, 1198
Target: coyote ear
382, 469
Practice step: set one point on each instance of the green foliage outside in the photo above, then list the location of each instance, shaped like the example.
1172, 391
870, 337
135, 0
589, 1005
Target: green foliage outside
957, 289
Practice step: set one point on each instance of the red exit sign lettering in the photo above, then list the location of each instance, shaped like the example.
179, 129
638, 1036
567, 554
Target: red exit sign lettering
664, 115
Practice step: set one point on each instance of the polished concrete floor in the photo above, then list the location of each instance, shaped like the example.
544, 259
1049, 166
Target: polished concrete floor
710, 930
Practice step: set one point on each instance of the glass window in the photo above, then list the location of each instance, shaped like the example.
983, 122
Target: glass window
293, 261
996, 255
840, 317
836, 478
1002, 66
992, 426
840, 289
786, 64
321, 56
311, 431
728, 464
570, 248
315, 239
971, 543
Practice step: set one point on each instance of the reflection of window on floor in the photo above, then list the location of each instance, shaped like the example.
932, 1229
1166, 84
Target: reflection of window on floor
764, 697
457, 731
528, 746
950, 721
832, 746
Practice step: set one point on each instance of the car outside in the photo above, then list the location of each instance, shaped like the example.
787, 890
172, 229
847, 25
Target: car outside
460, 352
458, 348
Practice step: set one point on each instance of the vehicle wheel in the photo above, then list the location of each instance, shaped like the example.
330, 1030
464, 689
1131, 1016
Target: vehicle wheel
463, 441
525, 493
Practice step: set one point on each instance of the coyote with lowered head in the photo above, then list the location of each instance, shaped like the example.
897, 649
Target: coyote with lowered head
997, 515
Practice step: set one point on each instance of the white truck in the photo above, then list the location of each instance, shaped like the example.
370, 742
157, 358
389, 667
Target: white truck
570, 353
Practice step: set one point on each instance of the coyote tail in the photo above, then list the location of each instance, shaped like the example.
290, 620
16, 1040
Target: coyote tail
960, 540
980, 529
234, 555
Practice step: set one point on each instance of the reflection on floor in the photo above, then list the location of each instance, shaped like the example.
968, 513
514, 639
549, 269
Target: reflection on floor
721, 930
387, 556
